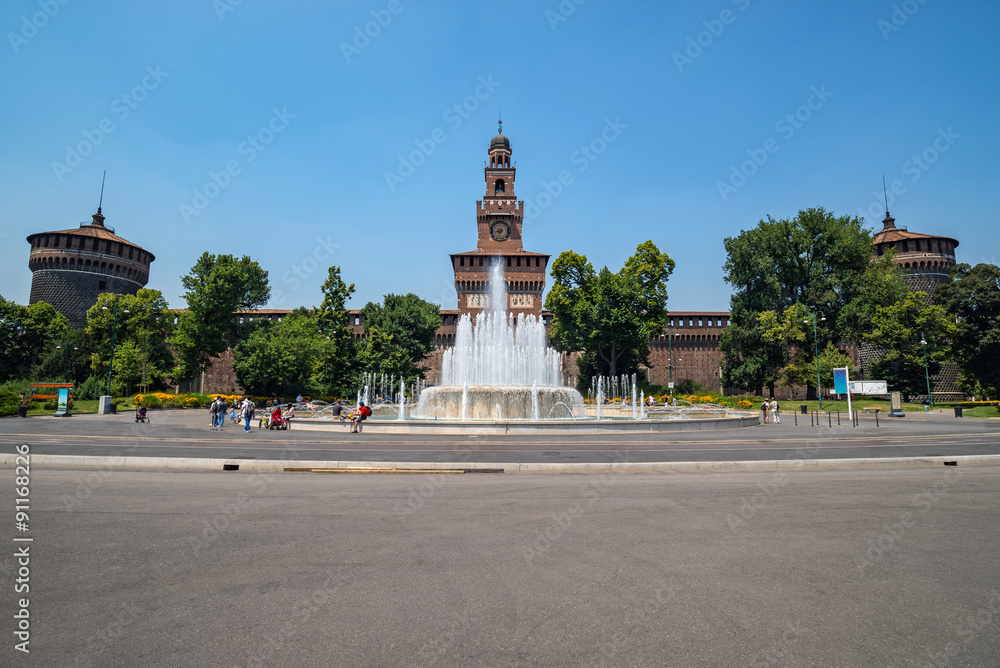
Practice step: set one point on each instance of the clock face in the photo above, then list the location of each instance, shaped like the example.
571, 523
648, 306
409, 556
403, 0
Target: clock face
500, 230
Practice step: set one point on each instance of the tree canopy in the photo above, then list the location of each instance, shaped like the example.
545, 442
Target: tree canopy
281, 357
972, 298
408, 325
27, 334
339, 349
217, 287
140, 326
609, 316
907, 331
816, 262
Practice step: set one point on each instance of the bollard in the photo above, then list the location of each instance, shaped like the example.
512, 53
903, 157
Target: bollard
876, 418
796, 416
829, 418
838, 418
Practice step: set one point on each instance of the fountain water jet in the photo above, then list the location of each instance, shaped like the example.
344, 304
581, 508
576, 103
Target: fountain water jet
499, 361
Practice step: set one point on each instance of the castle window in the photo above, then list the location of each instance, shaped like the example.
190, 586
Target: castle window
906, 246
480, 261
519, 262
461, 262
94, 246
101, 285
498, 187
508, 262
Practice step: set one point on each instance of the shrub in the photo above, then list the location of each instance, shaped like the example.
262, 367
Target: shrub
9, 402
148, 400
92, 388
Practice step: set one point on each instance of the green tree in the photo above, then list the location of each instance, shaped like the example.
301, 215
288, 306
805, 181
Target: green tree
217, 287
831, 358
27, 334
143, 322
898, 330
281, 357
382, 355
338, 363
817, 260
609, 316
410, 324
973, 299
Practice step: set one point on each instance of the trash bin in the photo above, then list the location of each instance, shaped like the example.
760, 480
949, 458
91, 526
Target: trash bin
804, 407
114, 408
22, 411
958, 411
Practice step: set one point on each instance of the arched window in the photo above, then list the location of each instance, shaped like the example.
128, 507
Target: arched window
498, 187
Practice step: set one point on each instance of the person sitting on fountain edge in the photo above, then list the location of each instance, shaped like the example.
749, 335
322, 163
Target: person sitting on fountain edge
360, 416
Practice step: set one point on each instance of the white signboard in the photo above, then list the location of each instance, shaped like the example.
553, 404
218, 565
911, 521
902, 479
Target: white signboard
869, 387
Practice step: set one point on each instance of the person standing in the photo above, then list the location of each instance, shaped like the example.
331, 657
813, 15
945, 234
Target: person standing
247, 411
289, 414
221, 413
774, 411
763, 412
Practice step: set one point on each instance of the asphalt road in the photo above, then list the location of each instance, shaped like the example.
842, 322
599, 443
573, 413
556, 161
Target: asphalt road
829, 567
186, 434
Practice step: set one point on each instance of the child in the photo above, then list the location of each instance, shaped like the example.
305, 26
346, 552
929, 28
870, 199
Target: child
232, 415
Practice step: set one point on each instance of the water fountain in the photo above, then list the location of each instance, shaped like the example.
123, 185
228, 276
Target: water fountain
499, 361
502, 378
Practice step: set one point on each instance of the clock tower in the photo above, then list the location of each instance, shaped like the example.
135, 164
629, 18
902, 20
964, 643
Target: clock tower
499, 220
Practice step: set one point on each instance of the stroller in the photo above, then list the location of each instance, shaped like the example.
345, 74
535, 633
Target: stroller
140, 414
276, 421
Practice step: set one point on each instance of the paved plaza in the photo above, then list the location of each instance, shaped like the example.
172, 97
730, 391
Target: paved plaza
829, 563
869, 566
186, 434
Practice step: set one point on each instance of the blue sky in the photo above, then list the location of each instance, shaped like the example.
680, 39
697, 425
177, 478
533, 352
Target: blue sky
698, 120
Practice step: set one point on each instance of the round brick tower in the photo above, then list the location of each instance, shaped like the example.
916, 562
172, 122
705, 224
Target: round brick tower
926, 259
70, 268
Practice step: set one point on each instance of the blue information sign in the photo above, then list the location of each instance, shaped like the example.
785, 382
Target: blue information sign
840, 380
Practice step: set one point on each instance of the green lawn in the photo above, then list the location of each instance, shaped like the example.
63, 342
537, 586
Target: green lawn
981, 412
81, 406
834, 406
860, 403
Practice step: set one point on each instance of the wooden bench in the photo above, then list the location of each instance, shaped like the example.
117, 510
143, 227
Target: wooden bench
870, 409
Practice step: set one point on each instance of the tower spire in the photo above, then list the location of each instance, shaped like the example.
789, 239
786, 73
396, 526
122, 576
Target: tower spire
99, 217
886, 194
99, 203
889, 222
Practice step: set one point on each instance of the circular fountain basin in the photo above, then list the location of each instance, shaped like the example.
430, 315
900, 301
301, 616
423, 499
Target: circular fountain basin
499, 402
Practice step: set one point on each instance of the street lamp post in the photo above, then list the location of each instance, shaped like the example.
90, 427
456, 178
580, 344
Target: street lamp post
927, 373
819, 390
65, 356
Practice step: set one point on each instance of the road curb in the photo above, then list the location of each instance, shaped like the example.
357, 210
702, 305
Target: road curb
205, 464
